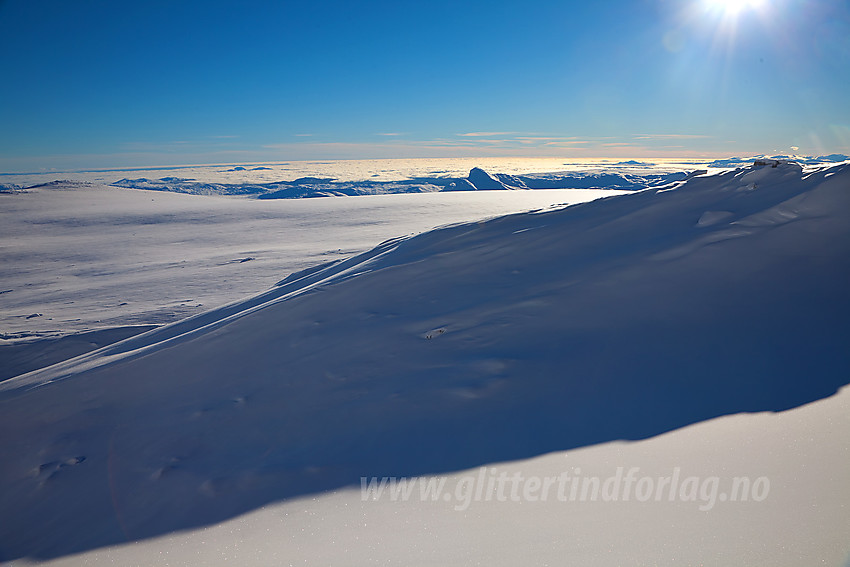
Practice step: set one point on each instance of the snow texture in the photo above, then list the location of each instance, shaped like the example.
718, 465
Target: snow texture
88, 257
618, 319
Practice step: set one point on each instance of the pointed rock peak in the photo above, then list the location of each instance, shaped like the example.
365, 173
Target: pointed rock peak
483, 180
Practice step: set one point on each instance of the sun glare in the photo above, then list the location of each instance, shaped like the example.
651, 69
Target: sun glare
733, 7
725, 16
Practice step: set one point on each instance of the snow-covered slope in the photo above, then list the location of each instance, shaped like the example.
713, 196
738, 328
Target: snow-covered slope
82, 257
622, 318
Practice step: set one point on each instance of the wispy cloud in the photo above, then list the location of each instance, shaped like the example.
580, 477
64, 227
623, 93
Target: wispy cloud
485, 134
491, 143
311, 147
522, 146
671, 137
545, 138
482, 144
390, 144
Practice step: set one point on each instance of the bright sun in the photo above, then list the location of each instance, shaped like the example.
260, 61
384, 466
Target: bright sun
732, 7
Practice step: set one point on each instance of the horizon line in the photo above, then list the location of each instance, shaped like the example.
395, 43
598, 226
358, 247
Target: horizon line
567, 160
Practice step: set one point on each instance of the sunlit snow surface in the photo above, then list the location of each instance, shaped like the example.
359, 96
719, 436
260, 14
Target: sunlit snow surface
543, 339
82, 257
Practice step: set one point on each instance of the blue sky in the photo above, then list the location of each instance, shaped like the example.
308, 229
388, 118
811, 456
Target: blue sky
93, 84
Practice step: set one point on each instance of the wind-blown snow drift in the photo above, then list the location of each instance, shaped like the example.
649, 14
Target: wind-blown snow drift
616, 319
